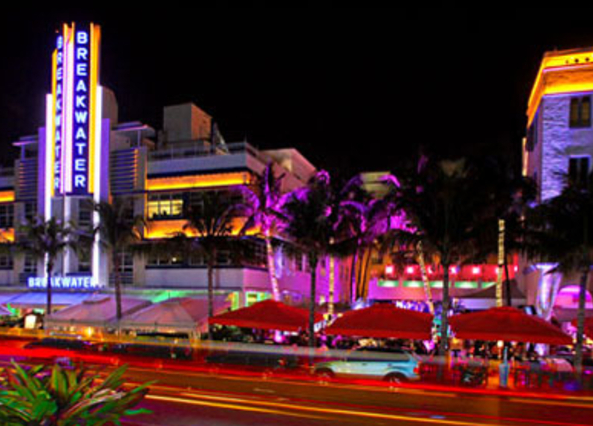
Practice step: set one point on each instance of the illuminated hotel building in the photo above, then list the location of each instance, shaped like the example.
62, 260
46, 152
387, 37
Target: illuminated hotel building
558, 146
84, 153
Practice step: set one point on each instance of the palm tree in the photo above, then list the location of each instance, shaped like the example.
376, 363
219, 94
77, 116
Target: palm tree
212, 221
560, 230
343, 218
368, 219
441, 201
508, 198
46, 241
262, 207
310, 227
118, 231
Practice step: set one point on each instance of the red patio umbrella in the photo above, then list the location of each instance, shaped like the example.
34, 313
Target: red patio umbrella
268, 315
383, 321
507, 324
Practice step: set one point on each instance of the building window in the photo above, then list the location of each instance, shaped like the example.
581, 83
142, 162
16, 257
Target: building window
578, 170
532, 135
223, 257
30, 210
30, 265
5, 261
85, 214
84, 261
197, 259
580, 112
165, 206
126, 262
6, 216
163, 259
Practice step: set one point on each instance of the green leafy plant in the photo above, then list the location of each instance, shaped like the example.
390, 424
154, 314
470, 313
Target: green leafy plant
62, 396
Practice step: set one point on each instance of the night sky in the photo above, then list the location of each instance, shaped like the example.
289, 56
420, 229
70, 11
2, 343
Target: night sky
352, 89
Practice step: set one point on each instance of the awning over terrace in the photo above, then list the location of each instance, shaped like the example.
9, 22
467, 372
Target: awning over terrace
95, 311
507, 324
182, 314
383, 320
268, 315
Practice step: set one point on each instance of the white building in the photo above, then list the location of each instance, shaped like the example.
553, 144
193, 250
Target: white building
84, 153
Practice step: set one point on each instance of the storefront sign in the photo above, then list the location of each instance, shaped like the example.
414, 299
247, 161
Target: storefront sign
84, 282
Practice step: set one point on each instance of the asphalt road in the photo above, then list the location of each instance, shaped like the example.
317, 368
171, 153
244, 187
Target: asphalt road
182, 398
214, 397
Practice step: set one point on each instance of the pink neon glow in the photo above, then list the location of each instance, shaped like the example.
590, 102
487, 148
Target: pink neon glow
453, 270
476, 270
389, 269
409, 269
572, 290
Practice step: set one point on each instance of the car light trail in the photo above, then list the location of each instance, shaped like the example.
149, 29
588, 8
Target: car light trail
331, 411
229, 406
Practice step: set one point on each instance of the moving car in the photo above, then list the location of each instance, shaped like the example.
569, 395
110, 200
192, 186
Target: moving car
392, 365
253, 359
57, 343
154, 351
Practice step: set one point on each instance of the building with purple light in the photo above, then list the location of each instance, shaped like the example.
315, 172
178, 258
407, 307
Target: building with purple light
558, 147
84, 153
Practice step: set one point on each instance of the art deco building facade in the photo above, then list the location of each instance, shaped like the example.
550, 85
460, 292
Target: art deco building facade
84, 153
558, 147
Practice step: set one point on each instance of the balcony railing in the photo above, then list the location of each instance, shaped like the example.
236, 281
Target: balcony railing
199, 149
6, 172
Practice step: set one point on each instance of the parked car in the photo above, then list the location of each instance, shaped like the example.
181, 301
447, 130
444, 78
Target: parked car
568, 354
392, 365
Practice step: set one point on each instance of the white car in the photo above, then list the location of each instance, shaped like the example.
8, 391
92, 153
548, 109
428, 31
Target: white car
392, 365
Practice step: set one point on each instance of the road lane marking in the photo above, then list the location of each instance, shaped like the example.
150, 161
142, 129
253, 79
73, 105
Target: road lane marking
558, 403
432, 415
268, 391
232, 407
341, 412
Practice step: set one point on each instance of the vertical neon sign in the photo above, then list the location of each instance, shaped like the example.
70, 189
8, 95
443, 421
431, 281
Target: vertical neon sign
58, 99
81, 112
74, 96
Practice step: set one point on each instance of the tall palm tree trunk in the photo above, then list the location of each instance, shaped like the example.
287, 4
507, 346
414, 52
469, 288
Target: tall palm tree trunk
117, 284
313, 266
501, 258
211, 259
507, 282
49, 268
271, 266
363, 273
427, 291
353, 284
332, 286
578, 357
444, 344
